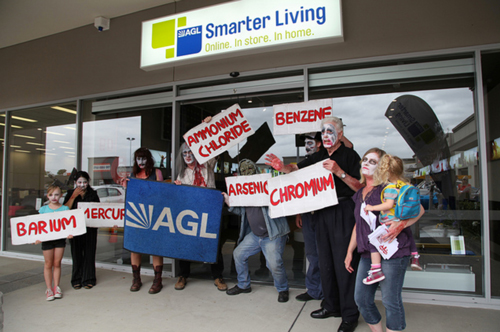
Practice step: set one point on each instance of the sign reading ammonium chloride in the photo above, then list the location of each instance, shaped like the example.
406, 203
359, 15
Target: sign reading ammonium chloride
169, 220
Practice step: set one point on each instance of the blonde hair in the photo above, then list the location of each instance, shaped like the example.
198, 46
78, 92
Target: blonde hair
378, 151
53, 187
389, 166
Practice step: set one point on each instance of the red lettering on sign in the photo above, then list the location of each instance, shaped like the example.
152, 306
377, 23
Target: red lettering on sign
21, 229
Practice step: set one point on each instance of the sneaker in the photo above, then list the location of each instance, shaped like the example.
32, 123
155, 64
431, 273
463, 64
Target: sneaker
415, 264
220, 284
374, 276
49, 294
58, 293
181, 283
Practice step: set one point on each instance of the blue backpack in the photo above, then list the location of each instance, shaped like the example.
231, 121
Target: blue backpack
408, 201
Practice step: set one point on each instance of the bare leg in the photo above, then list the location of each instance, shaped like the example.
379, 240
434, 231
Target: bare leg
135, 259
48, 256
157, 261
376, 327
58, 255
376, 258
388, 330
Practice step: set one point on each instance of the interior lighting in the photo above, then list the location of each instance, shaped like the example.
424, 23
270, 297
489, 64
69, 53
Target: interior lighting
71, 128
23, 151
64, 142
69, 152
33, 143
24, 136
15, 146
66, 147
13, 126
54, 133
20, 118
63, 109
40, 149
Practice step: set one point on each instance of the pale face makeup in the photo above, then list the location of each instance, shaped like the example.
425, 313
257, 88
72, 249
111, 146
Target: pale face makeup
187, 154
369, 164
141, 162
311, 146
247, 168
329, 135
54, 196
82, 183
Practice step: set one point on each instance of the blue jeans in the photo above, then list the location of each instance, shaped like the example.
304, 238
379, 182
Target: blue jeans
391, 287
273, 251
313, 278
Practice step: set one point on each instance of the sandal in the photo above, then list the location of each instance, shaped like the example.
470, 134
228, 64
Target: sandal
89, 286
77, 286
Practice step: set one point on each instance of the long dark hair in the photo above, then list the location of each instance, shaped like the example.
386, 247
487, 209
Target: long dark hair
144, 153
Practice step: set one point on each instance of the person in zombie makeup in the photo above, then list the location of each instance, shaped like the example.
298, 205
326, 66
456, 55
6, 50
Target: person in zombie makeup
259, 232
190, 172
394, 268
334, 224
305, 221
143, 169
83, 247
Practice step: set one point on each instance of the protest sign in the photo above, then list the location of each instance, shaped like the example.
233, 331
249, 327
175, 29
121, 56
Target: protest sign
308, 189
103, 214
47, 226
299, 118
225, 130
248, 190
168, 220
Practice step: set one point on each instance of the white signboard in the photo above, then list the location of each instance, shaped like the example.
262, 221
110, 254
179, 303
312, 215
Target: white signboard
47, 226
299, 118
103, 214
236, 27
308, 189
248, 190
224, 131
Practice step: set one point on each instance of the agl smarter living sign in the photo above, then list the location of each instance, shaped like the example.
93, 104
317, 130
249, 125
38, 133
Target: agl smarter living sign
249, 26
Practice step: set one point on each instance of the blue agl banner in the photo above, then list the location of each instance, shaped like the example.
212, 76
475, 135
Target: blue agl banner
168, 220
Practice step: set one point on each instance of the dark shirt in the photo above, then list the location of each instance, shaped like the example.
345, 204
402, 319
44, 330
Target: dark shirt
347, 159
90, 196
256, 221
363, 230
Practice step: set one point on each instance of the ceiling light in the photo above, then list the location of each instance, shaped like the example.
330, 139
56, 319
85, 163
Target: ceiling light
56, 141
264, 109
15, 146
20, 118
63, 109
69, 152
53, 133
65, 147
71, 128
13, 126
33, 143
24, 151
24, 136
40, 149
250, 101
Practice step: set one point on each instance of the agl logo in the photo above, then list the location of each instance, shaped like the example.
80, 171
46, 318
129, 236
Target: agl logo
172, 36
140, 218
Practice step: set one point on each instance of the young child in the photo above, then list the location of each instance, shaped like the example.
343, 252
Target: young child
53, 251
390, 171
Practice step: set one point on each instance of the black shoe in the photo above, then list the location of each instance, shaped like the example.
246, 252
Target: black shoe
323, 313
347, 327
283, 296
304, 297
236, 290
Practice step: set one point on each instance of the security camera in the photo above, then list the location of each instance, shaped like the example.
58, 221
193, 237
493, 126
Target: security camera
101, 23
234, 74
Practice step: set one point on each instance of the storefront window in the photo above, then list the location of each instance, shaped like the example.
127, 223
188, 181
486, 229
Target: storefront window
42, 151
258, 109
109, 141
434, 132
491, 86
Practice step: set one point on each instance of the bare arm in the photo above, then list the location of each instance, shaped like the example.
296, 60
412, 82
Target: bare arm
333, 167
387, 205
397, 227
76, 192
277, 164
350, 249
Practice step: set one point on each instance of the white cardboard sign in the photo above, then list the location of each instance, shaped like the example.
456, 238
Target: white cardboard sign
299, 118
224, 131
308, 189
250, 190
47, 226
103, 214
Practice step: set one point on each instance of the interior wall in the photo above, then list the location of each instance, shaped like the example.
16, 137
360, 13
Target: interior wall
83, 61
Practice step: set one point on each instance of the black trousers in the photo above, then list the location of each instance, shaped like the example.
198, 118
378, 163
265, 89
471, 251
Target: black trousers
217, 268
334, 227
83, 251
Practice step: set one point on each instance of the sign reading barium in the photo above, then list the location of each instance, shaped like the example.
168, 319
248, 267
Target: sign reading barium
249, 26
168, 220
